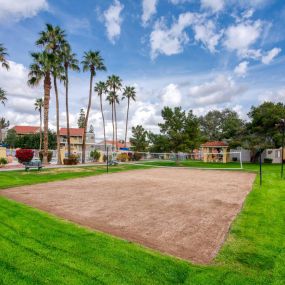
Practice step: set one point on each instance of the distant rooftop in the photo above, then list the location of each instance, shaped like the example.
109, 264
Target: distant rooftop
25, 130
75, 132
214, 144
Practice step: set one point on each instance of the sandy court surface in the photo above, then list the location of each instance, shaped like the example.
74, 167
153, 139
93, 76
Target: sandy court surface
186, 213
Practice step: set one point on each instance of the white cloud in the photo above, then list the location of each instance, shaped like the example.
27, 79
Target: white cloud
113, 20
205, 31
149, 9
241, 37
277, 95
170, 41
267, 58
171, 96
241, 69
221, 90
11, 10
214, 5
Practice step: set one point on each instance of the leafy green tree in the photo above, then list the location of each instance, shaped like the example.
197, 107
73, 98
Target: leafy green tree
128, 94
81, 119
40, 70
3, 125
70, 63
222, 125
158, 143
39, 103
114, 83
3, 97
11, 138
139, 138
3, 57
101, 89
52, 40
181, 129
92, 62
262, 130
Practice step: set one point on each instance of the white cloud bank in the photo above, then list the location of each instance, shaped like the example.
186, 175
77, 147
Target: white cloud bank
241, 69
214, 5
113, 20
149, 9
13, 10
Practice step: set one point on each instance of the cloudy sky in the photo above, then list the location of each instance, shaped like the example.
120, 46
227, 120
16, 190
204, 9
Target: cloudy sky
201, 55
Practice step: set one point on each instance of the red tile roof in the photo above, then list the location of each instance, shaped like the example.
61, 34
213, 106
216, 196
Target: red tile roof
214, 144
74, 132
25, 130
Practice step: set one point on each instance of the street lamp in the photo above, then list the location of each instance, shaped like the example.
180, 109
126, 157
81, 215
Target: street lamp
281, 125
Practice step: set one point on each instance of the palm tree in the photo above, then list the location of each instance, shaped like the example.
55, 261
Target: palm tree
3, 97
52, 39
115, 83
101, 89
39, 103
3, 55
110, 99
3, 125
40, 70
93, 62
69, 62
129, 94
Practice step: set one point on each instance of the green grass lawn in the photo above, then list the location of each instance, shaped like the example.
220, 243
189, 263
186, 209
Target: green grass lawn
37, 248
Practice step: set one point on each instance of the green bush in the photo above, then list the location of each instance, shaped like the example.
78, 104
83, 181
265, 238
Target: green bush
122, 157
95, 155
73, 159
41, 153
137, 156
268, 160
3, 161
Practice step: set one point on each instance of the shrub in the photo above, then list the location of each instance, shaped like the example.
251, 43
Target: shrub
24, 155
268, 160
41, 154
3, 161
95, 155
123, 157
137, 156
73, 159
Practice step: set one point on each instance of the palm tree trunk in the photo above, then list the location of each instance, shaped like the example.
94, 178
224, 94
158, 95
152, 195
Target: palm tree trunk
86, 119
127, 122
113, 126
47, 87
67, 112
103, 119
57, 121
116, 129
41, 126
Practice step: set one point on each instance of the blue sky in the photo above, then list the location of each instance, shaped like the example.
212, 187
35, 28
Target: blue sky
202, 55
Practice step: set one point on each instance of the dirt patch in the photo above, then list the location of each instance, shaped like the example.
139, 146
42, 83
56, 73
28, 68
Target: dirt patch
186, 213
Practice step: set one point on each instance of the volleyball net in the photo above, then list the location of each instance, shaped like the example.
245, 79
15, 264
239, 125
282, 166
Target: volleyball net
214, 160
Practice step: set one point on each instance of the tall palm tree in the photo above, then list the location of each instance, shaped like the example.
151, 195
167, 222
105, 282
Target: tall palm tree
129, 94
39, 104
3, 55
110, 99
114, 83
40, 70
69, 62
52, 39
93, 62
101, 89
3, 97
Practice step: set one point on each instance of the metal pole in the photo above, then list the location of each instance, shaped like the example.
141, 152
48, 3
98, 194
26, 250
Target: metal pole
107, 159
282, 154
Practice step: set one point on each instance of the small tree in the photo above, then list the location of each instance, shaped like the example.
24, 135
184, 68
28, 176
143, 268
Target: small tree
81, 119
139, 138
